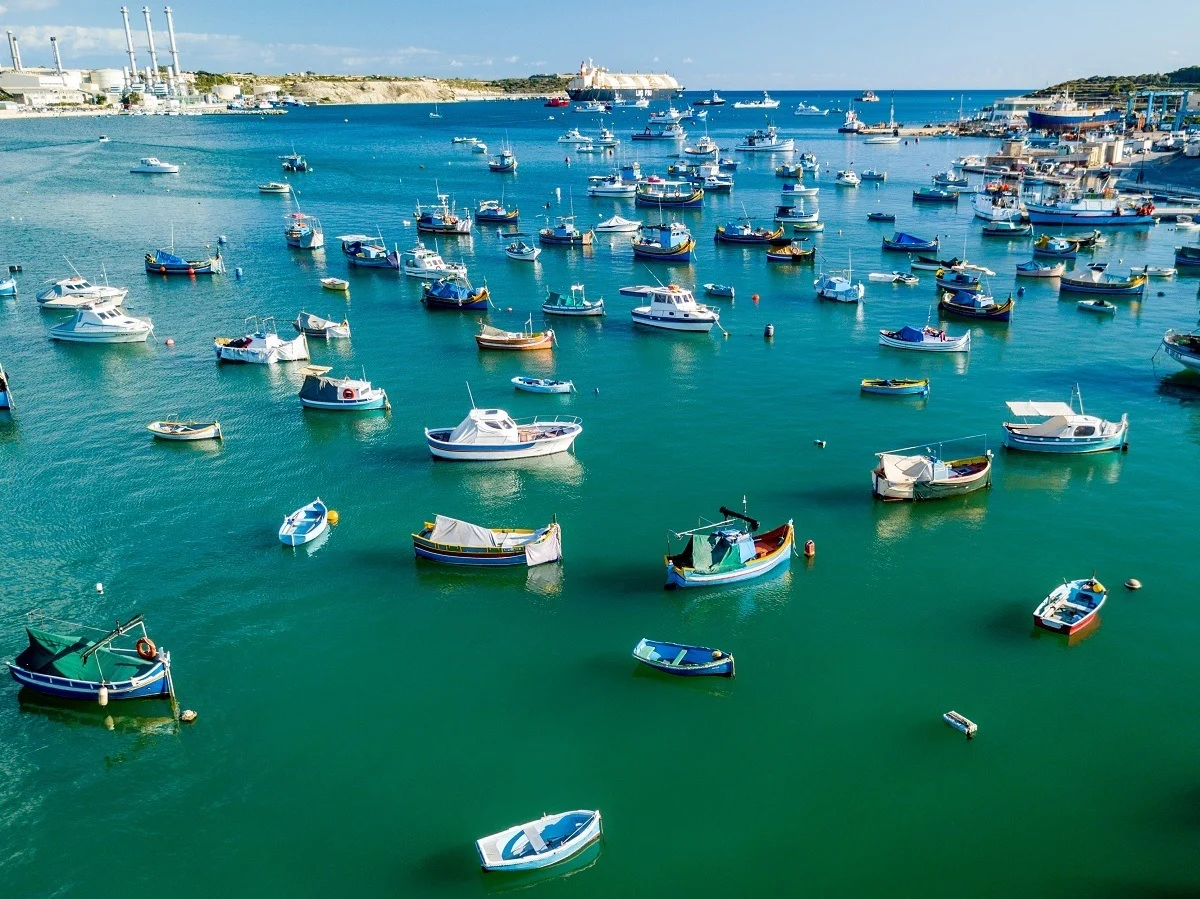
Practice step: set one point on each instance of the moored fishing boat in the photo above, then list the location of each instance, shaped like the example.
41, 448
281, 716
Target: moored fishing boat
171, 428
490, 338
454, 542
314, 326
165, 262
494, 212
488, 435
1184, 348
765, 103
788, 214
670, 131
719, 290
932, 264
742, 231
765, 140
611, 186
895, 386
683, 659
790, 191
1062, 429
576, 303
1097, 280
1187, 257
1103, 210
727, 551
1071, 607
674, 194
1035, 269
1152, 271
934, 195
262, 346
503, 162
957, 280
873, 175
1006, 229
6, 398
564, 233
319, 391
839, 288
68, 293
924, 475
1054, 247
705, 148
894, 277
674, 308
976, 305
542, 385
441, 218
664, 241
617, 225
547, 841
338, 284
275, 187
791, 253
305, 525
928, 339
909, 243
86, 667
881, 217
847, 178
303, 231
454, 292
1104, 307
522, 251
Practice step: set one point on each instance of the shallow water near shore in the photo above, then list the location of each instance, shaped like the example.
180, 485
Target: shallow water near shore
363, 719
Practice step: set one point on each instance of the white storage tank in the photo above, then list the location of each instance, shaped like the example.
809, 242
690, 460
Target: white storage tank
108, 79
227, 91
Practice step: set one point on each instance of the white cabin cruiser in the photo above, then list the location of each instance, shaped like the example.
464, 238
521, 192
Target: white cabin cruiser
491, 434
423, 263
151, 165
102, 322
674, 308
70, 293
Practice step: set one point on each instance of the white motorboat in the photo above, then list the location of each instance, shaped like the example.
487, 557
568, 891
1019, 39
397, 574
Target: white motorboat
70, 293
1062, 429
275, 187
705, 148
788, 191
766, 140
617, 225
808, 109
674, 308
542, 385
262, 346
574, 136
306, 524
425, 264
767, 102
102, 322
547, 841
303, 231
848, 178
612, 186
1153, 271
487, 435
522, 251
151, 165
882, 139
661, 117
928, 339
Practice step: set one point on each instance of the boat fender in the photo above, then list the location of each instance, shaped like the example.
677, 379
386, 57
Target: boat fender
102, 696
769, 332
1133, 584
145, 648
1097, 587
332, 516
347, 394
170, 341
810, 549
99, 587
718, 655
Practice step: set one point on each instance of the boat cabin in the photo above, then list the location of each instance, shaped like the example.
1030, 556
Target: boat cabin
486, 426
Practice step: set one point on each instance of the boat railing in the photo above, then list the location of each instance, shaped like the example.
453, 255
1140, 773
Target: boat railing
928, 448
547, 420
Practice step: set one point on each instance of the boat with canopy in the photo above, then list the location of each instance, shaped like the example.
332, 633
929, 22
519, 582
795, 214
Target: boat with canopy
319, 391
576, 303
727, 551
926, 474
1063, 429
455, 542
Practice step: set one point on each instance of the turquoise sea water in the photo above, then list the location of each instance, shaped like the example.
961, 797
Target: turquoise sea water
363, 719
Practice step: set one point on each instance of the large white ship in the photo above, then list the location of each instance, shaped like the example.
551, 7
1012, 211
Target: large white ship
597, 83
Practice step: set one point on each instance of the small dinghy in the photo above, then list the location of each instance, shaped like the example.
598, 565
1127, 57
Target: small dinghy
575, 304
89, 667
719, 290
895, 386
791, 253
454, 292
903, 242
896, 277
542, 385
173, 429
1153, 271
304, 525
1035, 269
1104, 307
335, 284
881, 217
340, 394
961, 723
455, 542
727, 551
547, 841
314, 326
1071, 607
490, 338
522, 252
684, 660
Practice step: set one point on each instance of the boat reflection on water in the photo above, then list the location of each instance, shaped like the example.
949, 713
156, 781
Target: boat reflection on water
895, 521
506, 481
507, 882
545, 580
1057, 474
713, 608
145, 717
328, 426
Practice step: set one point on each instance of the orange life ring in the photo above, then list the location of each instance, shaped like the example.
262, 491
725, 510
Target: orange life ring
347, 394
145, 648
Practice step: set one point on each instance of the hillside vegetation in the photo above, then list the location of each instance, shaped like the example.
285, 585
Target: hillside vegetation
1111, 86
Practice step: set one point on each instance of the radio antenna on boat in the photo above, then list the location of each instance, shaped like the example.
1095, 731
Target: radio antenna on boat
653, 275
73, 268
471, 395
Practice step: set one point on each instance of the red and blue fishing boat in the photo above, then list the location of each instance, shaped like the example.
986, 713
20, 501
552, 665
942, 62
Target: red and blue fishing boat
727, 551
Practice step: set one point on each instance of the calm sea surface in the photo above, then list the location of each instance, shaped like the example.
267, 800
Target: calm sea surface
363, 719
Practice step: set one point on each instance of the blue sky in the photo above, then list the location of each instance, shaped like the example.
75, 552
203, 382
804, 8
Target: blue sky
807, 45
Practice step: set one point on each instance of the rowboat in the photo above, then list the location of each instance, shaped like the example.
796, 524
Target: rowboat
904, 475
1071, 607
1054, 247
928, 338
275, 187
934, 195
896, 386
908, 243
895, 277
743, 231
792, 252
718, 290
564, 232
977, 305
957, 280
314, 326
787, 213
873, 175
1153, 271
89, 667
304, 525
522, 251
487, 435
575, 304
319, 391
1104, 307
881, 217
494, 212
727, 551
173, 429
542, 385
490, 338
1188, 257
1035, 269
1097, 280
684, 660
547, 841
961, 723
1062, 429
455, 542
335, 284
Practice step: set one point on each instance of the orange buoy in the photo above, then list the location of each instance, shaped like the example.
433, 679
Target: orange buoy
810, 549
754, 298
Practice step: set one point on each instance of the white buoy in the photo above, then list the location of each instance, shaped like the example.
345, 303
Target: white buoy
187, 716
558, 194
102, 697
99, 587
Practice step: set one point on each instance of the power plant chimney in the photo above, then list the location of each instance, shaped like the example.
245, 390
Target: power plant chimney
57, 58
15, 51
171, 41
129, 42
150, 40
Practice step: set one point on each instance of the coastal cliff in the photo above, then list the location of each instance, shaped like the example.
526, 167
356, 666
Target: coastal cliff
346, 89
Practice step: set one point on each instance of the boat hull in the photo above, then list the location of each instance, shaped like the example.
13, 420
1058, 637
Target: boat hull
921, 491
367, 405
113, 337
1074, 285
550, 309
1001, 312
713, 667
154, 683
646, 320
565, 851
1040, 216
958, 345
916, 388
441, 448
681, 253
1014, 439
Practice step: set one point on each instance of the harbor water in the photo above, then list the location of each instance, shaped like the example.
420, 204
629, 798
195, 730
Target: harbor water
364, 718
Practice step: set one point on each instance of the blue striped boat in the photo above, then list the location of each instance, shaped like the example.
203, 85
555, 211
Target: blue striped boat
684, 660
454, 542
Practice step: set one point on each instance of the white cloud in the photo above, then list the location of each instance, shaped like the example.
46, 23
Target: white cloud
511, 59
687, 61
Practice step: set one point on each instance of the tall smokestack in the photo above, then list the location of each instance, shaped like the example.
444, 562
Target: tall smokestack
150, 40
57, 58
171, 41
15, 50
129, 42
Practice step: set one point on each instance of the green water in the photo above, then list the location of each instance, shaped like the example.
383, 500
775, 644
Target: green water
363, 719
